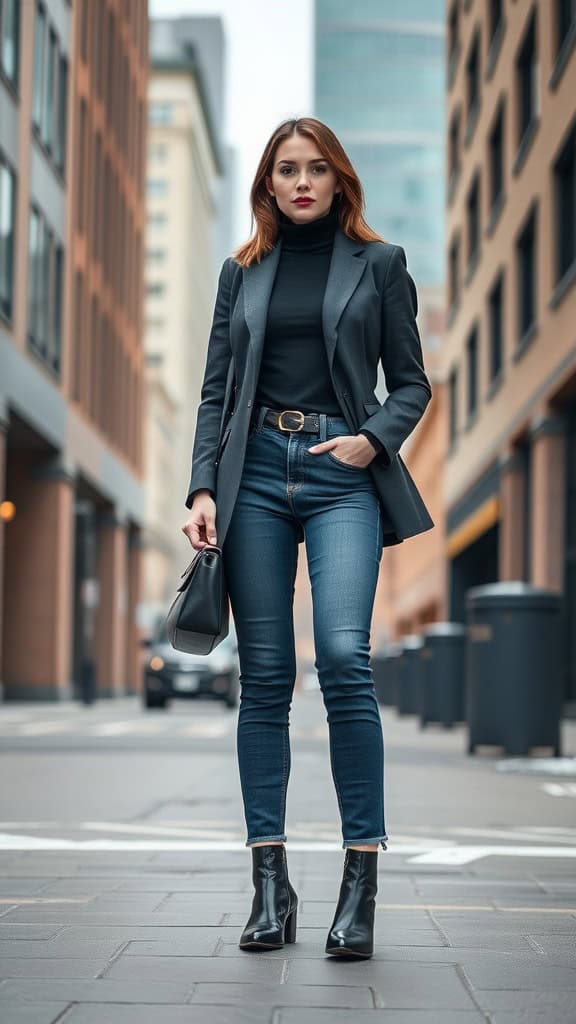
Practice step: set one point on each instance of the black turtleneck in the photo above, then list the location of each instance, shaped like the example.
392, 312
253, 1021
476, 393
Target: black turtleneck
294, 371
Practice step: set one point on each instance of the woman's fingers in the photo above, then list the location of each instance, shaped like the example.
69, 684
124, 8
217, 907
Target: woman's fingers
200, 530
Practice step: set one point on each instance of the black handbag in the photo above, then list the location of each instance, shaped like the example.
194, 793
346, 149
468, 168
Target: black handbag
198, 618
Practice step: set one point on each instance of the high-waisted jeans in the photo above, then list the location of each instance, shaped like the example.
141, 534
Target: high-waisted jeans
287, 493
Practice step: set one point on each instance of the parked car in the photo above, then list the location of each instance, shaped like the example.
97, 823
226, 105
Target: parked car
169, 673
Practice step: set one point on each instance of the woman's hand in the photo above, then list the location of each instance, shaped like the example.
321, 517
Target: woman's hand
356, 449
200, 527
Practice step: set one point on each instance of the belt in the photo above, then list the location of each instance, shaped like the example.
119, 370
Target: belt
293, 420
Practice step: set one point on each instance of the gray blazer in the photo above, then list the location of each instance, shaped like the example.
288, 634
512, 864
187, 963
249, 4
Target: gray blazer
369, 316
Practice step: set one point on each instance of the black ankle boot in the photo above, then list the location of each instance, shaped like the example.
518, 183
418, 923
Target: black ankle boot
273, 918
352, 930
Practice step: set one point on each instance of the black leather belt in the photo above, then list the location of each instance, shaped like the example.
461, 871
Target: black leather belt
293, 420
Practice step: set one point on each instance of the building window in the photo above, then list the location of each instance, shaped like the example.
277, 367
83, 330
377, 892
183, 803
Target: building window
453, 37
473, 82
157, 218
157, 187
156, 255
45, 278
454, 146
10, 38
155, 288
472, 372
495, 19
526, 275
50, 90
454, 274
453, 405
78, 339
495, 319
158, 151
7, 214
565, 21
160, 113
565, 196
473, 219
526, 79
39, 47
496, 145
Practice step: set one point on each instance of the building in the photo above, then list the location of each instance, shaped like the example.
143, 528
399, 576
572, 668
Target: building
380, 85
510, 354
72, 123
185, 165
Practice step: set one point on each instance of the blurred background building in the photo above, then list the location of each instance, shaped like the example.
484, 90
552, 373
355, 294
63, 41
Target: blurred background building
187, 238
73, 82
510, 350
380, 84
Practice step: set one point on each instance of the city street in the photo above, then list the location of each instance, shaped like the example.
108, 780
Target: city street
125, 881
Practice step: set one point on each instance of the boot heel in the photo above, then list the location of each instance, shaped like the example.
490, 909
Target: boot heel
290, 927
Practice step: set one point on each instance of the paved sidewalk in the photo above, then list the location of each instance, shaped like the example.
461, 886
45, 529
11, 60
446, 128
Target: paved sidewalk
476, 911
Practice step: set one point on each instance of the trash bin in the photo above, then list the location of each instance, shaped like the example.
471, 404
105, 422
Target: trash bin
513, 667
409, 669
378, 662
442, 678
389, 685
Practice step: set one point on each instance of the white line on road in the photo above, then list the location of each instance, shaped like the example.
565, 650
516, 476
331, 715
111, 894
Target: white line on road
415, 853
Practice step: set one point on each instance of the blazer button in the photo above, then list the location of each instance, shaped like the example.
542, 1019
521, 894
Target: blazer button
250, 402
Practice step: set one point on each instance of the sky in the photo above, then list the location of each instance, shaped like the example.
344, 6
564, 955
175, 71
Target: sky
269, 76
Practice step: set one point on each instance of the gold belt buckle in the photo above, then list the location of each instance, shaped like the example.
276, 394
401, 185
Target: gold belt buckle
297, 412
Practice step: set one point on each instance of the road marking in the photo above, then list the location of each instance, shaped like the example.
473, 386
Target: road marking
417, 854
134, 726
559, 788
43, 728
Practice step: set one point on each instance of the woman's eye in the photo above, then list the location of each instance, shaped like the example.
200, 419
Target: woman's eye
289, 170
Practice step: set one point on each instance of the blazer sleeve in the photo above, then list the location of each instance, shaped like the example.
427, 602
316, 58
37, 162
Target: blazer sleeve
219, 353
409, 389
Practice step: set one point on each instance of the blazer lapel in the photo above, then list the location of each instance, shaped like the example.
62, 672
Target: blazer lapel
257, 282
346, 269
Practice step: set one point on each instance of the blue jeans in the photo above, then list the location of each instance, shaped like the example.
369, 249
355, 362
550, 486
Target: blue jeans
288, 494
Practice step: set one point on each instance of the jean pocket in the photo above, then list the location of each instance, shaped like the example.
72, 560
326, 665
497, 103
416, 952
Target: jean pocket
345, 465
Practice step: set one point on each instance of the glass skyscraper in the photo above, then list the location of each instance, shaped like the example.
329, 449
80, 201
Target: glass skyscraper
380, 85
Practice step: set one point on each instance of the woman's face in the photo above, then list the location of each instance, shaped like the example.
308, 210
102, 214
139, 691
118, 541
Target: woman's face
300, 171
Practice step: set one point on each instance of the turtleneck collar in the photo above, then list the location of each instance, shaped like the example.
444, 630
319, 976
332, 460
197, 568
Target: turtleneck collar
311, 234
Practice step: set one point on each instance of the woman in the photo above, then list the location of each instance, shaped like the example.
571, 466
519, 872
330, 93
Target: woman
292, 445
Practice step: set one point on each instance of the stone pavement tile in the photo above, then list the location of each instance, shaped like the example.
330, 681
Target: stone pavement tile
117, 1013
548, 942
320, 1016
401, 985
80, 886
36, 967
63, 949
500, 940
33, 1013
506, 975
85, 915
29, 931
199, 940
500, 921
94, 990
541, 1004
182, 883
238, 994
191, 969
22, 886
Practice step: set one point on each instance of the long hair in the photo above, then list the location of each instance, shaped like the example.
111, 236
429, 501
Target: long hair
265, 209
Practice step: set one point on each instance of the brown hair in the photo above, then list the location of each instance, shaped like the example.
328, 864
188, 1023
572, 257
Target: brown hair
264, 207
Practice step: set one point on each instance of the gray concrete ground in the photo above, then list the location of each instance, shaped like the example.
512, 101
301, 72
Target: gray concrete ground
125, 882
